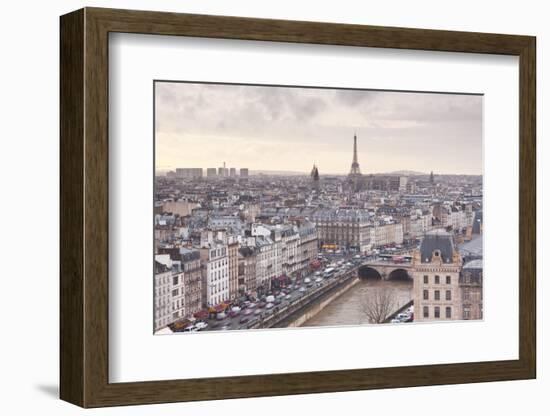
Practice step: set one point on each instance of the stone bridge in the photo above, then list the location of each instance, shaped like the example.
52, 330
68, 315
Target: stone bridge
385, 270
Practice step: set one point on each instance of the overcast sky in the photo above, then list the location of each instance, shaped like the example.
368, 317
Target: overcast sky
282, 128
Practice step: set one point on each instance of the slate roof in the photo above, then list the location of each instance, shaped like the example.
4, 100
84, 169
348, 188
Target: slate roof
437, 240
478, 220
474, 264
472, 272
246, 251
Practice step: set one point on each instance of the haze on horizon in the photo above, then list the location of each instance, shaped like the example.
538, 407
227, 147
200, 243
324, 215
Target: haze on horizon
267, 128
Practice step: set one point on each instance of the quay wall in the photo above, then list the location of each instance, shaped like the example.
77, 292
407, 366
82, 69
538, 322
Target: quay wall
300, 317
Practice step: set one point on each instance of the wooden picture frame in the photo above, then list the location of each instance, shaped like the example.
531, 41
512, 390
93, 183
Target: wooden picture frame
84, 207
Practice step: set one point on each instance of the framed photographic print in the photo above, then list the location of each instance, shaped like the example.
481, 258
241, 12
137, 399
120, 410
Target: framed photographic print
255, 207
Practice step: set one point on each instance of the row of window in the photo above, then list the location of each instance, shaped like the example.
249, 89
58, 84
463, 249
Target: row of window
220, 252
471, 295
466, 312
191, 265
218, 288
437, 312
180, 303
437, 279
163, 290
162, 322
220, 274
219, 263
437, 295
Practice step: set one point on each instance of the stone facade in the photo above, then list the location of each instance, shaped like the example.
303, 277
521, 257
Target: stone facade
191, 266
163, 304
247, 269
471, 288
436, 267
345, 229
383, 234
215, 267
233, 258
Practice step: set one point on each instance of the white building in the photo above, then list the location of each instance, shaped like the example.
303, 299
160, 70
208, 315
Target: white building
163, 301
308, 246
382, 234
420, 224
215, 267
178, 294
290, 250
169, 286
268, 265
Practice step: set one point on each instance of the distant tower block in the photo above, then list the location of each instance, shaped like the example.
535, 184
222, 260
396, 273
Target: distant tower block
211, 173
432, 177
355, 177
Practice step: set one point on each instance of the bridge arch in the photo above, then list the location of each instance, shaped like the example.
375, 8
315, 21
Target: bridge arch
399, 274
369, 273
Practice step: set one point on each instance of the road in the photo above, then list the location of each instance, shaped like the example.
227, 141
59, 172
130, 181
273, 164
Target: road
346, 309
255, 313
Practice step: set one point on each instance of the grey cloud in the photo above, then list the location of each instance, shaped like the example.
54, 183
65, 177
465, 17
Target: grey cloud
416, 126
353, 98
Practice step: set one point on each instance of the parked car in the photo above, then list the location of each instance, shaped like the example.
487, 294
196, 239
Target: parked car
269, 306
402, 316
201, 325
190, 328
243, 320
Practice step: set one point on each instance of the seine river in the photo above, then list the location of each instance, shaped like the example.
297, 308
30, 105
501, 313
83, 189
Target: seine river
347, 309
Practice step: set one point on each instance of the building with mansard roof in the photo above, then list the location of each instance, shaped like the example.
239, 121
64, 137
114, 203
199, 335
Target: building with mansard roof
436, 267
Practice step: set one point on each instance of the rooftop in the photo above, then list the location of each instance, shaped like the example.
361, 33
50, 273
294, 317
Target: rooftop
474, 264
437, 242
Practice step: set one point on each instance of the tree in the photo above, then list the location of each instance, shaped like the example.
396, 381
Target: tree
378, 303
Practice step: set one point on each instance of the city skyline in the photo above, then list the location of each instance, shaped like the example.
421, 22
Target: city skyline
396, 131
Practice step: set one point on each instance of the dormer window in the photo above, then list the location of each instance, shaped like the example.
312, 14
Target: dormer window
437, 253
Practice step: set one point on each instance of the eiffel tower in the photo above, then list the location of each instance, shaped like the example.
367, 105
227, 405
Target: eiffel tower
355, 170
354, 177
